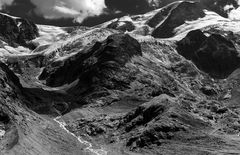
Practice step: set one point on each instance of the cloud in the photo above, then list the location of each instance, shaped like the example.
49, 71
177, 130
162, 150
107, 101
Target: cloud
77, 9
4, 3
228, 7
234, 14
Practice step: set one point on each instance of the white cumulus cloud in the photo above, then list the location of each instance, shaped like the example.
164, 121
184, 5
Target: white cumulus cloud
5, 2
78, 9
235, 13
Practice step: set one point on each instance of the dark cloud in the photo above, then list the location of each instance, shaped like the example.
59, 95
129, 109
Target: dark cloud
25, 9
77, 9
41, 12
128, 6
136, 6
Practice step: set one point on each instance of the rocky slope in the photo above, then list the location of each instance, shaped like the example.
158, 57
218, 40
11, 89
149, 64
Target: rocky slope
185, 11
25, 132
215, 54
17, 31
123, 89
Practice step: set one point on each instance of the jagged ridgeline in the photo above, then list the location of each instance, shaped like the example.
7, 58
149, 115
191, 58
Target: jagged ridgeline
162, 82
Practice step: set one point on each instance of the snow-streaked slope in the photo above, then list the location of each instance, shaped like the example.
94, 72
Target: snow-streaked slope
16, 35
211, 19
145, 24
58, 43
50, 34
62, 44
6, 50
75, 42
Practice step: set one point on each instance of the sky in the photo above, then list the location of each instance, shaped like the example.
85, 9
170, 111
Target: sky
72, 12
82, 12
65, 12
55, 9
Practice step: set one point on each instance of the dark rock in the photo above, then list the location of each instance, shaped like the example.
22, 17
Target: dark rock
191, 43
217, 56
17, 31
161, 15
4, 118
7, 76
94, 64
214, 55
209, 91
185, 11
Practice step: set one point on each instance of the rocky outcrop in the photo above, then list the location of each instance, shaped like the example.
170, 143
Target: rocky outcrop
16, 31
185, 11
215, 54
94, 64
122, 26
191, 43
162, 118
7, 76
161, 15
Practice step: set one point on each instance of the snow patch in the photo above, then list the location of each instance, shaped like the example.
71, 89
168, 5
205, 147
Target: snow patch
2, 133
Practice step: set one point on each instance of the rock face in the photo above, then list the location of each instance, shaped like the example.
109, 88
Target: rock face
161, 15
17, 31
95, 64
185, 11
7, 76
214, 54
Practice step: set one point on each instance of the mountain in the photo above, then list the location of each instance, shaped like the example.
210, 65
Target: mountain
215, 54
163, 82
17, 31
23, 131
143, 6
185, 11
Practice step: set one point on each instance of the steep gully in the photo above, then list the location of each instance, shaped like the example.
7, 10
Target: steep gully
89, 147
